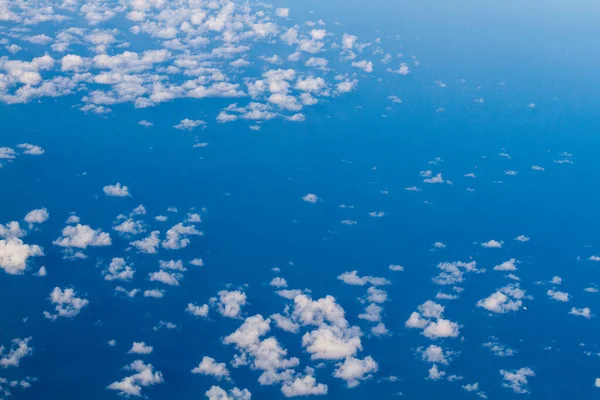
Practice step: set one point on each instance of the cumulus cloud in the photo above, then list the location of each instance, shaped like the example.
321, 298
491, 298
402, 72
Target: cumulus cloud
517, 380
492, 244
82, 236
117, 190
508, 298
352, 278
37, 216
208, 366
429, 318
310, 198
148, 244
118, 270
68, 305
581, 312
197, 311
558, 296
143, 376
230, 303
354, 370
303, 386
19, 349
176, 237
14, 255
217, 393
140, 348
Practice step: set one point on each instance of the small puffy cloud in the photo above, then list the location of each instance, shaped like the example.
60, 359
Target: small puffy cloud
365, 65
508, 298
352, 278
492, 244
208, 366
177, 236
581, 312
282, 12
11, 357
171, 279
278, 282
130, 226
37, 216
434, 354
197, 262
143, 375
116, 190
354, 370
189, 124
68, 305
31, 149
403, 69
148, 245
303, 386
348, 41
522, 238
118, 270
429, 318
509, 265
517, 380
41, 272
217, 393
14, 255
395, 267
332, 342
230, 303
140, 348
82, 236
72, 62
310, 198
435, 374
154, 293
558, 296
197, 311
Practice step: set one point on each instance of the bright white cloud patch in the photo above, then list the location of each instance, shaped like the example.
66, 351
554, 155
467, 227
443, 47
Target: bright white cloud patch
14, 255
143, 376
12, 356
117, 190
37, 216
82, 236
67, 304
354, 370
517, 380
140, 348
208, 366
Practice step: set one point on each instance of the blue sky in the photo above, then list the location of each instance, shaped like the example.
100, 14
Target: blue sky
231, 200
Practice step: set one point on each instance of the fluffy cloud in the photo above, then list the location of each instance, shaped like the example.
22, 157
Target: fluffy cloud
144, 375
197, 311
508, 298
208, 366
517, 380
310, 198
116, 190
558, 296
216, 393
453, 272
20, 348
82, 236
140, 348
509, 265
37, 216
148, 244
492, 244
118, 270
177, 236
230, 303
430, 319
352, 278
171, 279
14, 255
303, 386
67, 304
354, 370
581, 312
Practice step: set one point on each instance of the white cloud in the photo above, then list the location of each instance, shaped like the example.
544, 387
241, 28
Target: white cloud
154, 293
118, 270
171, 279
82, 236
11, 357
434, 354
177, 236
31, 149
429, 319
14, 255
208, 366
42, 272
394, 267
517, 380
130, 226
230, 303
581, 312
197, 262
310, 198
509, 265
365, 65
216, 393
453, 272
189, 124
68, 305
197, 311
508, 298
149, 244
522, 238
116, 190
354, 370
352, 278
282, 12
303, 386
278, 282
140, 348
144, 375
435, 374
37, 216
558, 296
492, 244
